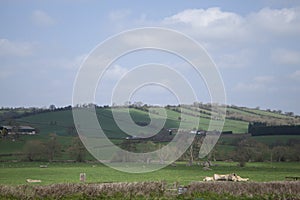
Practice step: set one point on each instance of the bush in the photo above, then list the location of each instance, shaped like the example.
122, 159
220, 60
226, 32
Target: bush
155, 190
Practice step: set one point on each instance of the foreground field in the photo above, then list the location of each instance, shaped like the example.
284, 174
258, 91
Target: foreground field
17, 173
61, 181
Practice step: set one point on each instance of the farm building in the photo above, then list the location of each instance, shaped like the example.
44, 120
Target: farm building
26, 130
23, 130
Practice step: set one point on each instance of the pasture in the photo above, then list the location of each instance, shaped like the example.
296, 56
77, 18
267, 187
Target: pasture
61, 181
17, 173
62, 176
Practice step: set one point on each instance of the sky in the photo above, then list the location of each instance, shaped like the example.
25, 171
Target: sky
254, 44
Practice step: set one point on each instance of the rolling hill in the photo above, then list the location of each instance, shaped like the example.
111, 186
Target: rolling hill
60, 122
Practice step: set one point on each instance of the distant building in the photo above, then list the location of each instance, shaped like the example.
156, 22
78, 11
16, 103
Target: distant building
198, 132
23, 130
26, 130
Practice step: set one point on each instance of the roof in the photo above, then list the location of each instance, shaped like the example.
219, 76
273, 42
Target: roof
26, 127
19, 127
7, 127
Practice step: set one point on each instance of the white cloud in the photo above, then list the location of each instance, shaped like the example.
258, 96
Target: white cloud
119, 14
210, 23
42, 19
285, 57
11, 48
277, 21
205, 18
214, 25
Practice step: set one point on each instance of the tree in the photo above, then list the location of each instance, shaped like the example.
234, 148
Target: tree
127, 103
279, 153
290, 114
52, 107
250, 150
149, 146
52, 147
34, 150
129, 146
138, 104
77, 150
168, 153
295, 149
71, 130
4, 132
192, 153
15, 130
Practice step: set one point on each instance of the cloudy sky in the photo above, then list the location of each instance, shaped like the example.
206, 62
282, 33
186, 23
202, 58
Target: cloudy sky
255, 45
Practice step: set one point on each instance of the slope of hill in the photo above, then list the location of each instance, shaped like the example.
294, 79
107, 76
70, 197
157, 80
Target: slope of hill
60, 122
237, 119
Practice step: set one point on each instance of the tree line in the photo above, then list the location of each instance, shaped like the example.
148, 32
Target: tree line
50, 150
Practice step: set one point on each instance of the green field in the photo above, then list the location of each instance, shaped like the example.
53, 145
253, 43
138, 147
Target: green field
61, 181
61, 121
14, 171
12, 150
17, 173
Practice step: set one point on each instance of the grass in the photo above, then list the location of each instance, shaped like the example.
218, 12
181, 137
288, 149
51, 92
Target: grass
240, 111
17, 173
16, 146
265, 113
60, 121
50, 122
283, 139
8, 146
61, 181
266, 139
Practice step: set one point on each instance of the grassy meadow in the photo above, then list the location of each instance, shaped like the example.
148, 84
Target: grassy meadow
61, 181
60, 122
17, 173
62, 173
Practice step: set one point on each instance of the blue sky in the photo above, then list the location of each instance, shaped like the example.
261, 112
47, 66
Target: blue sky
255, 45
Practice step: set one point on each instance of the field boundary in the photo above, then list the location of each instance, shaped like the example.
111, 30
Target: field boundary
278, 190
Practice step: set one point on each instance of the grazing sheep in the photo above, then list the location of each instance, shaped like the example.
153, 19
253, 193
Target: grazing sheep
33, 181
208, 178
226, 177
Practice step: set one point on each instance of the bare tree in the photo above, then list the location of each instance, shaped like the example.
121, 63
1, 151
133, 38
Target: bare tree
250, 150
52, 147
34, 150
279, 153
77, 150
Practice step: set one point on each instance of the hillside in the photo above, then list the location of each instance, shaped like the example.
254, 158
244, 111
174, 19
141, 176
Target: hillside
60, 121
